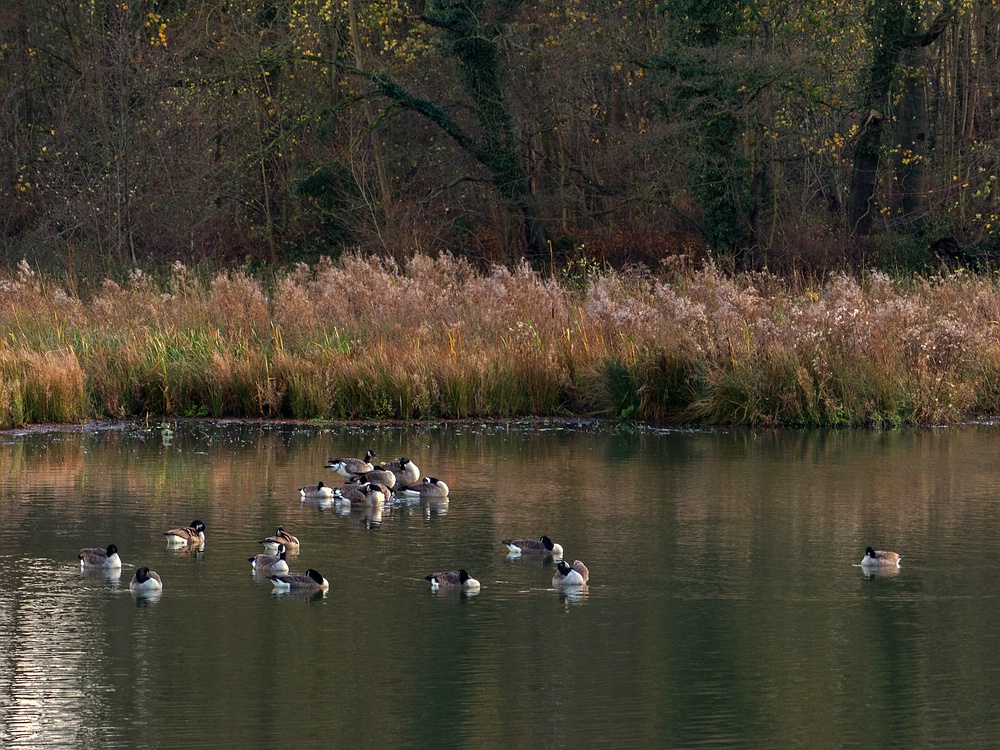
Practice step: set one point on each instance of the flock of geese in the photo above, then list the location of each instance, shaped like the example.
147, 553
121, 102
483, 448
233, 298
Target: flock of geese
365, 485
369, 486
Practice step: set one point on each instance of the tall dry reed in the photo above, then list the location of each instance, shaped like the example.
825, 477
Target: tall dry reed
366, 338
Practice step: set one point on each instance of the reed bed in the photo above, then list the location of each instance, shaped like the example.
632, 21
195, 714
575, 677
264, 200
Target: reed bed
366, 339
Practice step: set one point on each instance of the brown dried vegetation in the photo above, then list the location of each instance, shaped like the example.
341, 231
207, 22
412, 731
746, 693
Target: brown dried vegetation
366, 339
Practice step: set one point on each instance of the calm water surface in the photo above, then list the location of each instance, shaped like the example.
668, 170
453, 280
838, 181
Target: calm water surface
725, 608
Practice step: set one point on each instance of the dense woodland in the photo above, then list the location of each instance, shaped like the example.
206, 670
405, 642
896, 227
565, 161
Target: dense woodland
810, 136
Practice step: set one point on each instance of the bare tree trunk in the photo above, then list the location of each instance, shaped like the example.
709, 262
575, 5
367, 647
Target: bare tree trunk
897, 34
911, 135
864, 178
474, 46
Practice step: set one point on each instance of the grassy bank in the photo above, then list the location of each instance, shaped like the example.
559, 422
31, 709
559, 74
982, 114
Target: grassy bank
364, 340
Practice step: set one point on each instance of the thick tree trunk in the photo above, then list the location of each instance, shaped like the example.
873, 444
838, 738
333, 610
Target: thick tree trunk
861, 208
911, 135
478, 59
497, 156
896, 32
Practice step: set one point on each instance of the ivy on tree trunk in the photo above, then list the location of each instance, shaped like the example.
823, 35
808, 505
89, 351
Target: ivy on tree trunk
473, 44
897, 36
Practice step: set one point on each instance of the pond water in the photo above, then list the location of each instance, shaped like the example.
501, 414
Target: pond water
725, 606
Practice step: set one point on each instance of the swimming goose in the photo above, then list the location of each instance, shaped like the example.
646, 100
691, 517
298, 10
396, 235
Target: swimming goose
308, 581
376, 494
270, 563
318, 491
368, 495
95, 557
571, 575
880, 557
453, 579
145, 581
429, 487
542, 545
379, 476
405, 471
193, 534
348, 467
280, 537
351, 494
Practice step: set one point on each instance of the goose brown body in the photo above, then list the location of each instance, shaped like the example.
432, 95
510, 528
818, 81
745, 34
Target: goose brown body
264, 563
880, 557
405, 471
193, 534
576, 574
318, 491
378, 476
351, 492
541, 546
280, 537
145, 581
429, 487
453, 579
377, 494
367, 495
311, 580
349, 467
95, 557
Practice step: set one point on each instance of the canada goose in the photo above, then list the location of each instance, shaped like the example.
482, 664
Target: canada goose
145, 581
193, 534
571, 575
308, 581
429, 487
379, 476
280, 537
270, 563
95, 557
376, 494
318, 491
352, 494
348, 467
542, 545
368, 495
880, 557
405, 471
453, 579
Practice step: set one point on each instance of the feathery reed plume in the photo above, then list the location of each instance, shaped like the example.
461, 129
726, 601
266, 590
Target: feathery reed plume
366, 338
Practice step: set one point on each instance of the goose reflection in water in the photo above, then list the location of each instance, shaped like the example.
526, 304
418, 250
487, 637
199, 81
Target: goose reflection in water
146, 598
109, 575
372, 517
882, 571
194, 551
300, 593
434, 507
324, 505
573, 594
367, 516
455, 591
